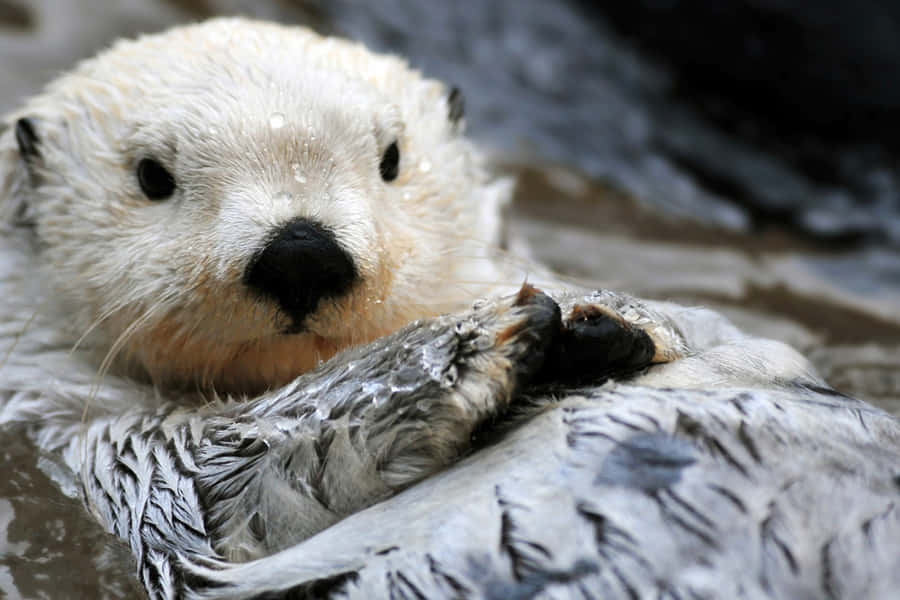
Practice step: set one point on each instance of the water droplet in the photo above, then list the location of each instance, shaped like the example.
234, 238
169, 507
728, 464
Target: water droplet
299, 177
276, 121
632, 315
407, 196
424, 165
213, 131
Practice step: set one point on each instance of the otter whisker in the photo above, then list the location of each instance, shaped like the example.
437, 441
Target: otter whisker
18, 336
116, 347
110, 311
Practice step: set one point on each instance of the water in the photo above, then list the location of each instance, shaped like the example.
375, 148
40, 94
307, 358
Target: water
276, 121
49, 546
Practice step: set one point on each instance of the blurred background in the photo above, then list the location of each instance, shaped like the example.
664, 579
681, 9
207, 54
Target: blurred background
738, 154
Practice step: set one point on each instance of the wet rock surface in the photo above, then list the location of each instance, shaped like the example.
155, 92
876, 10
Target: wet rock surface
646, 164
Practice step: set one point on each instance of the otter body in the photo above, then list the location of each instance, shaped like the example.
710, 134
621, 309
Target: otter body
202, 231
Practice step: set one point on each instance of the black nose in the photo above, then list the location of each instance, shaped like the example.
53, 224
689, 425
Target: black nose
300, 266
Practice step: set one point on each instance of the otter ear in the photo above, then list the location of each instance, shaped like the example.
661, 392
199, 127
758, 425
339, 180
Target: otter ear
27, 140
456, 105
19, 156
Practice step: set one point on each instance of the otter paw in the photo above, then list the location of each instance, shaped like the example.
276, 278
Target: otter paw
503, 342
596, 342
460, 371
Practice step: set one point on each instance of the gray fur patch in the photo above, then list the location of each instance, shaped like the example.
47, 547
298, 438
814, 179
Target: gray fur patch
647, 461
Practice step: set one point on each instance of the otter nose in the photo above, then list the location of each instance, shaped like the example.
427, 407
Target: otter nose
302, 265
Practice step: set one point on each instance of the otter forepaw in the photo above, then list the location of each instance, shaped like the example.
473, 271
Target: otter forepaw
605, 334
512, 336
593, 344
443, 378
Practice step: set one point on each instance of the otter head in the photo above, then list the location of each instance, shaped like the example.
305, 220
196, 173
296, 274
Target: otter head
226, 204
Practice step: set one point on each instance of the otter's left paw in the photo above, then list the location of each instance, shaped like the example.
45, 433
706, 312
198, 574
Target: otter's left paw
595, 343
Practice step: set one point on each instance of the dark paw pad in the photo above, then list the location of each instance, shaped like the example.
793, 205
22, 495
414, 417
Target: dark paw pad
593, 345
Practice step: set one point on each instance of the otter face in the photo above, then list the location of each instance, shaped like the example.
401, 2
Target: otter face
229, 203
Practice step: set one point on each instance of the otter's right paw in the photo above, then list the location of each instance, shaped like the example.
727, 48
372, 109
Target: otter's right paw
471, 366
519, 335
394, 411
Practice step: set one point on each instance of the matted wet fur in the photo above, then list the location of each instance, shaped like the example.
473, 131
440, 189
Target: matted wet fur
247, 419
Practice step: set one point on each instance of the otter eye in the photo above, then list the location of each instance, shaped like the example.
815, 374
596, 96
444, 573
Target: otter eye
156, 182
390, 161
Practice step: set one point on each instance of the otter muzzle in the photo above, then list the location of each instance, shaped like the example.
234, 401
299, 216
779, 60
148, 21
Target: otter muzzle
302, 265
